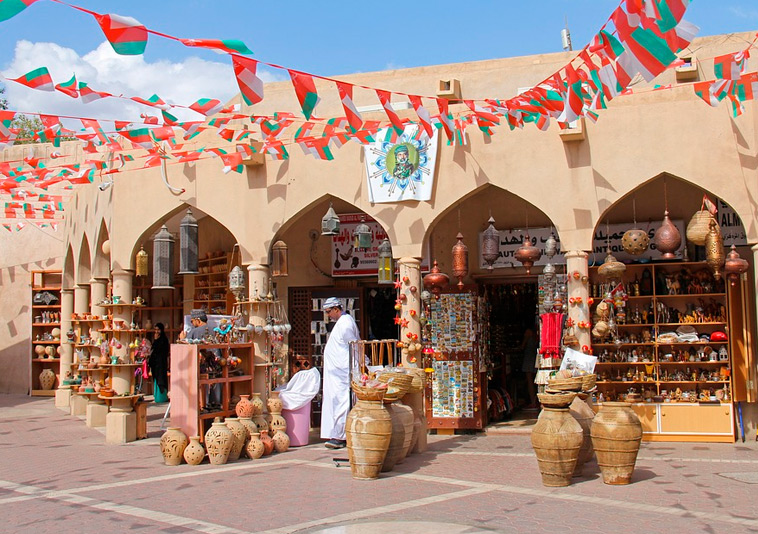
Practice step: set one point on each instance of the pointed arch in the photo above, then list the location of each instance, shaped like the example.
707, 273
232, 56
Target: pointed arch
84, 265
101, 265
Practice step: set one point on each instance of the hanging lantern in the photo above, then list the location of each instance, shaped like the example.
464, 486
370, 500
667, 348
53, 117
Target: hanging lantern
362, 236
460, 260
551, 247
714, 248
141, 262
163, 259
385, 262
330, 222
548, 272
279, 259
611, 267
527, 253
635, 241
436, 281
237, 282
734, 266
188, 244
667, 238
490, 244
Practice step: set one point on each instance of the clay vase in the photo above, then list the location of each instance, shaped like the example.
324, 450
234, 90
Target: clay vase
40, 350
584, 415
173, 443
274, 403
250, 429
194, 452
369, 429
218, 442
255, 447
268, 443
257, 404
556, 439
47, 379
239, 434
281, 441
260, 422
616, 434
244, 407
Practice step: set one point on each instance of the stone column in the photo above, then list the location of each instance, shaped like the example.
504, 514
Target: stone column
63, 393
78, 403
81, 298
409, 271
576, 262
98, 292
97, 410
257, 286
122, 313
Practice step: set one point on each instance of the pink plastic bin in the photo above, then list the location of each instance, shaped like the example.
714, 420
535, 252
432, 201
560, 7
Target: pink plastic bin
298, 424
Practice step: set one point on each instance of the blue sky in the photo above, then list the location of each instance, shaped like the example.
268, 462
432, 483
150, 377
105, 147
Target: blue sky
326, 38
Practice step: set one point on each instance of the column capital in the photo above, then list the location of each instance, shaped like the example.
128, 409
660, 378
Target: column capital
754, 248
410, 260
576, 254
257, 267
123, 272
67, 290
99, 280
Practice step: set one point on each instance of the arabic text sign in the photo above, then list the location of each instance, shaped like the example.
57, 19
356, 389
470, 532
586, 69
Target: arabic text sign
346, 259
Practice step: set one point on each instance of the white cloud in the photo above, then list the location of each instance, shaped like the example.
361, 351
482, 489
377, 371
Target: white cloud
103, 70
740, 12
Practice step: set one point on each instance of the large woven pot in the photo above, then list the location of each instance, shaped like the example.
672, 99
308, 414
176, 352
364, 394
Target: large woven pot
368, 428
556, 439
584, 415
616, 434
697, 228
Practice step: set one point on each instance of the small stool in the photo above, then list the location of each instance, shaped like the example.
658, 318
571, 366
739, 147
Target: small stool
140, 408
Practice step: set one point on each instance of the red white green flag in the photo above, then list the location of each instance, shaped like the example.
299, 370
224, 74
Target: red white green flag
232, 162
139, 136
573, 102
650, 53
68, 88
352, 113
704, 91
446, 119
39, 79
126, 35
251, 86
154, 101
229, 46
318, 147
6, 120
423, 115
730, 66
90, 95
11, 8
385, 98
305, 89
207, 106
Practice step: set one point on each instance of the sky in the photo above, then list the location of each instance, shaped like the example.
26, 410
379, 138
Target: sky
324, 38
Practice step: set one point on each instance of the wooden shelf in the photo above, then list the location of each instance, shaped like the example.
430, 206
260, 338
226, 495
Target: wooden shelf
46, 324
46, 306
43, 393
58, 342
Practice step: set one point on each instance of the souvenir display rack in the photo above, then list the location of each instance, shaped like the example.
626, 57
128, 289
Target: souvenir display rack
668, 349
211, 285
46, 317
161, 306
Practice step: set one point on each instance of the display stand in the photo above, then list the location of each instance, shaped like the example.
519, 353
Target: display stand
211, 285
46, 316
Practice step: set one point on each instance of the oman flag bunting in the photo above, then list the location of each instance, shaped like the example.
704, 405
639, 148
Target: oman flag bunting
573, 102
90, 95
207, 106
384, 98
352, 113
126, 35
11, 8
37, 79
423, 115
730, 66
249, 83
230, 46
305, 89
68, 88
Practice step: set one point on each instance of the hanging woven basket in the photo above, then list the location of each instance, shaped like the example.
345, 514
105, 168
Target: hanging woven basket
697, 228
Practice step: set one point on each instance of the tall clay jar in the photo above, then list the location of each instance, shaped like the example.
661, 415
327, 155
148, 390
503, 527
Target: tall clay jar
274, 403
218, 442
406, 417
257, 404
281, 441
556, 439
244, 407
397, 442
616, 435
254, 447
173, 443
194, 452
239, 437
584, 415
368, 428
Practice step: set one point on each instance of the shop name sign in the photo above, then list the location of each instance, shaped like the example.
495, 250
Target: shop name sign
346, 259
511, 240
731, 226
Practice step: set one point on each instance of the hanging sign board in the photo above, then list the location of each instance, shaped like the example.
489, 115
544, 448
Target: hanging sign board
731, 225
346, 259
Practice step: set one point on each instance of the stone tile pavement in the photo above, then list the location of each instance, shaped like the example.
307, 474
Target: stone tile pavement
57, 475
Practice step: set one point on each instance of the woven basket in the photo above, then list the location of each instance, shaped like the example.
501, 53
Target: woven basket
565, 384
419, 380
401, 381
556, 400
367, 393
697, 228
588, 382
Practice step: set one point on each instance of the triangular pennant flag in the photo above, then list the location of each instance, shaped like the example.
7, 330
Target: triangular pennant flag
69, 87
352, 113
730, 66
37, 79
207, 106
423, 115
11, 8
385, 98
305, 89
154, 101
249, 83
445, 118
230, 46
90, 95
126, 35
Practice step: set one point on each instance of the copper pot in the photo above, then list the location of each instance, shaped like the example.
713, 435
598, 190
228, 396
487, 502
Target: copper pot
527, 253
436, 280
667, 238
735, 265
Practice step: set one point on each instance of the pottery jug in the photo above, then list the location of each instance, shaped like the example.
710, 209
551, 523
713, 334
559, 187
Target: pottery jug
584, 415
47, 379
274, 403
281, 441
556, 439
268, 443
239, 434
616, 434
244, 407
255, 447
369, 429
173, 443
218, 442
194, 452
257, 404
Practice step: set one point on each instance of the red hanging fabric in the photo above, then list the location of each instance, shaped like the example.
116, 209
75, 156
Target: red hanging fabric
551, 334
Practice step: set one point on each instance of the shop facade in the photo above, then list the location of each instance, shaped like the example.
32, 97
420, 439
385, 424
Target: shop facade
650, 151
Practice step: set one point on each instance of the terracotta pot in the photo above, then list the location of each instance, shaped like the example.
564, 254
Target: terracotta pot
250, 429
218, 442
255, 447
47, 379
616, 435
369, 430
556, 439
281, 441
194, 452
584, 415
268, 443
240, 434
274, 403
244, 407
277, 422
260, 422
257, 404
173, 443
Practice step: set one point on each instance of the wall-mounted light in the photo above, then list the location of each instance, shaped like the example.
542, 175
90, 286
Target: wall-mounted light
279, 255
330, 222
385, 262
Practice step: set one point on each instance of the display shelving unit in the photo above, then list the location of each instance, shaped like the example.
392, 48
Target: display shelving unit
45, 317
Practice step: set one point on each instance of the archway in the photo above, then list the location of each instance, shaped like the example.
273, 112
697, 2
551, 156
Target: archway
101, 267
84, 265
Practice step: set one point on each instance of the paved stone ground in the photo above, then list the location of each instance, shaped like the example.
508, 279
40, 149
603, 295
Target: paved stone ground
57, 475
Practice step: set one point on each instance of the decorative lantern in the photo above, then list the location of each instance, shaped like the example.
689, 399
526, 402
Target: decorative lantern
548, 272
611, 267
635, 241
490, 244
188, 244
667, 238
527, 253
436, 281
551, 247
141, 262
385, 262
279, 259
330, 222
237, 282
714, 248
460, 260
163, 259
362, 236
734, 266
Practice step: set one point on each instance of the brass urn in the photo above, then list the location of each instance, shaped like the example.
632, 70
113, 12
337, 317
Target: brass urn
527, 253
714, 248
667, 238
611, 267
734, 265
436, 280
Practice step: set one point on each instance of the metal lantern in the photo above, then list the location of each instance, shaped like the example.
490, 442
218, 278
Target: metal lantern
330, 222
279, 259
714, 248
635, 241
611, 267
141, 262
237, 282
551, 246
436, 281
362, 236
163, 259
460, 260
490, 244
548, 272
734, 266
667, 238
527, 253
188, 244
385, 262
